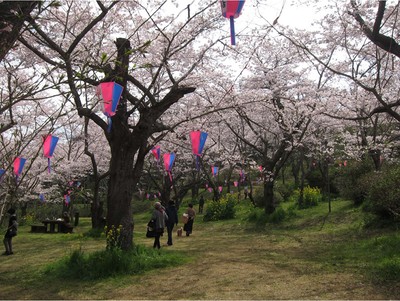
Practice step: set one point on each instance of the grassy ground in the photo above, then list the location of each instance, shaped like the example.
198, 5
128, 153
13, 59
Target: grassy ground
312, 256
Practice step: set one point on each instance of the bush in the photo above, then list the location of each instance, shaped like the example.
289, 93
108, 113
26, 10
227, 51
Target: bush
224, 208
284, 190
109, 263
260, 218
311, 197
383, 193
353, 181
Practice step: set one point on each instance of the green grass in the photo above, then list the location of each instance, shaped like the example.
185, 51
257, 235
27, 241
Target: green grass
111, 263
309, 254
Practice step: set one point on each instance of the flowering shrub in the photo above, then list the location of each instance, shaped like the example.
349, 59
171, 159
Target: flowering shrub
26, 220
224, 208
311, 196
113, 237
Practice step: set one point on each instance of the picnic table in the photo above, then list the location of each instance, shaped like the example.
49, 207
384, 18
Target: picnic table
50, 226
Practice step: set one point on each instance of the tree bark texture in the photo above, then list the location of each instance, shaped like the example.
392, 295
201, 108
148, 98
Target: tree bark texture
13, 14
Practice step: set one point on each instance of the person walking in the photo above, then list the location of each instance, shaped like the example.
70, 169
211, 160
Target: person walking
191, 215
201, 204
172, 214
159, 216
10, 232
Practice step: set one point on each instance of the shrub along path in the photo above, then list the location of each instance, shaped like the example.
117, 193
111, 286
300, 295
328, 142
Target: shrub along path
318, 258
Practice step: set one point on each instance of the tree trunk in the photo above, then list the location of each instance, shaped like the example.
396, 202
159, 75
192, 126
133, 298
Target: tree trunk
269, 197
97, 209
119, 198
376, 157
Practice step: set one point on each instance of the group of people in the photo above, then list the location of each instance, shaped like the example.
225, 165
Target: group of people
168, 218
163, 218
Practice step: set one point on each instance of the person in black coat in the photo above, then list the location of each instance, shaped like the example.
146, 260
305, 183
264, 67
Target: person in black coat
11, 232
172, 220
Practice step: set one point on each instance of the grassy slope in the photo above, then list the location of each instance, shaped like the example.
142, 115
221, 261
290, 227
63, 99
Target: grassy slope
312, 256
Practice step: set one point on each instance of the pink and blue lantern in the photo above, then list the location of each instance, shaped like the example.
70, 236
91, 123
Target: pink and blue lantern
214, 170
19, 163
231, 9
198, 139
2, 172
49, 145
67, 197
169, 159
156, 150
110, 93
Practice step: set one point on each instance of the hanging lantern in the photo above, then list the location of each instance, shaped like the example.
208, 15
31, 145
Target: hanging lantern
198, 140
19, 163
214, 170
67, 197
156, 152
169, 160
110, 93
49, 145
2, 172
231, 9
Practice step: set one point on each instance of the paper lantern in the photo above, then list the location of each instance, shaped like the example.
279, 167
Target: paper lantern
49, 145
231, 9
110, 93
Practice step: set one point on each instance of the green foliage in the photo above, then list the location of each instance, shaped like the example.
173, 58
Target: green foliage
389, 269
383, 193
311, 197
353, 181
224, 208
284, 190
260, 218
111, 263
258, 196
28, 219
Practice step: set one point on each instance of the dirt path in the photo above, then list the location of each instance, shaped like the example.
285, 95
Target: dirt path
251, 266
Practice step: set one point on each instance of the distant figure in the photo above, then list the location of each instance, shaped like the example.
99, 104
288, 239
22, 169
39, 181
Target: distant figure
191, 215
10, 232
159, 216
66, 218
66, 227
172, 214
201, 204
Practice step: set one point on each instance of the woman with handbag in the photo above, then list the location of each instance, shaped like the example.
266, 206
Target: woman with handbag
11, 232
159, 216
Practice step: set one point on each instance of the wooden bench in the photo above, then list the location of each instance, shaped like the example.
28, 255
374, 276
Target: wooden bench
38, 229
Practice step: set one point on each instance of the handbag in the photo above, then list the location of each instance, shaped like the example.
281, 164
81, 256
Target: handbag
151, 228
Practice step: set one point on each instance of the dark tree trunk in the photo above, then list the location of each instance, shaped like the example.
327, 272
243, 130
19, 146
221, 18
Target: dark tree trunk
119, 213
376, 157
97, 208
269, 197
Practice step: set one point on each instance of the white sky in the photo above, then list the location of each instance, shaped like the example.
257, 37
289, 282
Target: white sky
295, 14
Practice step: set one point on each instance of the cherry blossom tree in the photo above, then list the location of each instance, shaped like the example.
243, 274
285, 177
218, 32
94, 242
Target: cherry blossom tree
154, 62
358, 69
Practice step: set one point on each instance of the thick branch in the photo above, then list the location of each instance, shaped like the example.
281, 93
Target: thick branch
382, 41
